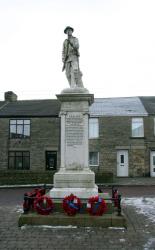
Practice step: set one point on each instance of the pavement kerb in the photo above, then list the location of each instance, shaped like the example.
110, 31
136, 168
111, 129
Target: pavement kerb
126, 185
99, 184
27, 186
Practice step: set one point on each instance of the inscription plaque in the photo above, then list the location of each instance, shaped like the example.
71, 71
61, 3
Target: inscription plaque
74, 129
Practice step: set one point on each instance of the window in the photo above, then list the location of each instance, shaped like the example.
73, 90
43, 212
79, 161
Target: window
154, 126
121, 159
153, 160
137, 127
19, 160
51, 160
93, 158
93, 128
19, 128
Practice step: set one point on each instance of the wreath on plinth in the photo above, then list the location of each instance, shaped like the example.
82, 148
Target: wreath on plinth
43, 205
96, 206
71, 204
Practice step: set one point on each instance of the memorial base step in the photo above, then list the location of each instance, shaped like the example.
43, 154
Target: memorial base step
79, 220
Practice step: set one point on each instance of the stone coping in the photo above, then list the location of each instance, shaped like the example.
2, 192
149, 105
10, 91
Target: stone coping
76, 90
76, 97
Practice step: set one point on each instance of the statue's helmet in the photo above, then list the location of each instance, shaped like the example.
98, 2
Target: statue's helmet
68, 28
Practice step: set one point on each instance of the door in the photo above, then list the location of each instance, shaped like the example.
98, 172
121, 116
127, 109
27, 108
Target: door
122, 163
152, 164
51, 160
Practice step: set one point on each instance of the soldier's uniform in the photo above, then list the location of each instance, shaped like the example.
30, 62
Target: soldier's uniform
70, 56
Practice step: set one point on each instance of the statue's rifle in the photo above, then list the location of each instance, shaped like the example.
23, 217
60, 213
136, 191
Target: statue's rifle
66, 57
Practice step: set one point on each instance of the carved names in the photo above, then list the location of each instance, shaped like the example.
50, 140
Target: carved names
74, 129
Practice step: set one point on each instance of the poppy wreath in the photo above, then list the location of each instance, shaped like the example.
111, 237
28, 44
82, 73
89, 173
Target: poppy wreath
71, 204
29, 198
43, 205
96, 206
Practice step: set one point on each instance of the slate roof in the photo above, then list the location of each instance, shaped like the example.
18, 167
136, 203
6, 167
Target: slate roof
120, 106
30, 108
149, 104
1, 104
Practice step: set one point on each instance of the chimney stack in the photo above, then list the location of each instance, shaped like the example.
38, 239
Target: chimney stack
10, 96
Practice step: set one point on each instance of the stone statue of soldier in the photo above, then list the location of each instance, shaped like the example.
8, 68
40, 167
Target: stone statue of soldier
70, 58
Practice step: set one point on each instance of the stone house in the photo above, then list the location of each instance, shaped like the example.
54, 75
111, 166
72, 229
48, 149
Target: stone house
149, 134
121, 136
120, 143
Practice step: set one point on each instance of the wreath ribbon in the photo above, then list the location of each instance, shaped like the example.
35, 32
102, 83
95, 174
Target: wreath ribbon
96, 206
71, 204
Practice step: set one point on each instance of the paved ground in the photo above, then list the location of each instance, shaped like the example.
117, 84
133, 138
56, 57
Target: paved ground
137, 181
139, 235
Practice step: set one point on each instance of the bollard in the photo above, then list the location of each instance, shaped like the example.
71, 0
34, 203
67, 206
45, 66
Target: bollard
119, 205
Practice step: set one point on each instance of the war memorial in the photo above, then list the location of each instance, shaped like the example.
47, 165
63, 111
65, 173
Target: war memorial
75, 198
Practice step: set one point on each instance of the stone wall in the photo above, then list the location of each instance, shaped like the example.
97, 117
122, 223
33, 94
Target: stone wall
115, 134
26, 177
45, 136
4, 139
149, 140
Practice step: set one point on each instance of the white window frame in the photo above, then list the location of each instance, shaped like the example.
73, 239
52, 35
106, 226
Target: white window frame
95, 165
93, 128
137, 120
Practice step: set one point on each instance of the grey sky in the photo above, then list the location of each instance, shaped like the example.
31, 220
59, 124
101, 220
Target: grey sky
117, 46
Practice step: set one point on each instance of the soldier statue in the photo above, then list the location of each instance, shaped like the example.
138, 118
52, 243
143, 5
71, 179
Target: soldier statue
70, 58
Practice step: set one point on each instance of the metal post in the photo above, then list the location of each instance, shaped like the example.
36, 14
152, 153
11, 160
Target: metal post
44, 186
119, 205
26, 204
112, 189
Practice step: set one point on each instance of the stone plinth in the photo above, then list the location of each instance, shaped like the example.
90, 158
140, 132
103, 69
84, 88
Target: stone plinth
74, 175
80, 220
